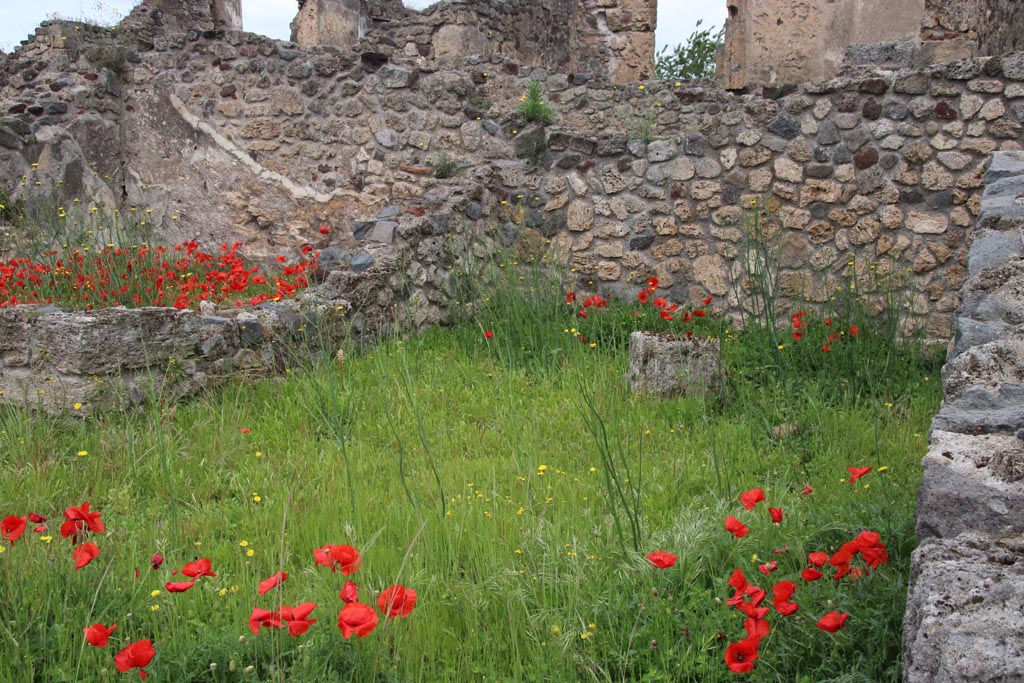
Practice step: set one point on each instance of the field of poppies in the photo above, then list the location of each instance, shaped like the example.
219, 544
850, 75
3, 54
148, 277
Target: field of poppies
483, 503
487, 502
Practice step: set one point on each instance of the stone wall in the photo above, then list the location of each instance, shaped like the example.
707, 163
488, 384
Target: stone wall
999, 27
611, 40
772, 42
246, 138
53, 359
963, 622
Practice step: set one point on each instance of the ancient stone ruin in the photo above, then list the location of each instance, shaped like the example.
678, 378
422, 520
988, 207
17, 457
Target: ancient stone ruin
889, 166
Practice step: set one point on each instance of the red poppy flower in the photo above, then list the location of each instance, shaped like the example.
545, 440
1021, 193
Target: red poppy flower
833, 621
357, 618
810, 574
343, 557
738, 580
349, 592
666, 315
324, 230
581, 313
488, 334
306, 248
35, 518
652, 283
136, 656
273, 582
736, 527
97, 635
570, 297
84, 554
698, 313
13, 527
756, 627
797, 336
768, 567
751, 498
853, 331
245, 430
708, 299
817, 559
156, 561
200, 567
828, 322
775, 514
396, 601
807, 490
643, 296
825, 348
782, 592
740, 657
265, 618
857, 472
78, 518
661, 559
178, 586
659, 303
297, 617
785, 608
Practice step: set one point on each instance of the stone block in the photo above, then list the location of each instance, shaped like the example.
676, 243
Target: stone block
668, 366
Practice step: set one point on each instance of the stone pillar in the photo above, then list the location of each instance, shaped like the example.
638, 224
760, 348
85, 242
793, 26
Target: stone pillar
227, 14
339, 23
774, 42
614, 39
202, 14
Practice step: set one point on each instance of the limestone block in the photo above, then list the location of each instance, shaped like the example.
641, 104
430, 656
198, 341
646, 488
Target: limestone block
668, 366
963, 623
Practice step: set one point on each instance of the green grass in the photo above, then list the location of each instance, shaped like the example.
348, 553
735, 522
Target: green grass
464, 468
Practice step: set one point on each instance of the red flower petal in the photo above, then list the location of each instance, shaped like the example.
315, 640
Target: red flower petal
396, 601
833, 621
740, 657
135, 656
857, 472
84, 554
357, 618
97, 635
349, 592
274, 581
661, 559
13, 527
178, 586
775, 514
200, 567
810, 574
751, 498
736, 527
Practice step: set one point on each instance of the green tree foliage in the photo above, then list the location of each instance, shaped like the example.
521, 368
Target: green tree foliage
693, 59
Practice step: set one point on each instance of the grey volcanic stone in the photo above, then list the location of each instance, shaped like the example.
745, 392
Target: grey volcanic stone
991, 248
666, 366
982, 411
963, 621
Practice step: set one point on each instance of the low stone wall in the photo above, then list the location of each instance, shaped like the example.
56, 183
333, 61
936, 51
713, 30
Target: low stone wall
54, 360
964, 610
245, 138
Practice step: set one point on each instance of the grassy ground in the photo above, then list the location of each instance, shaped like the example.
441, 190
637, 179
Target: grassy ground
469, 470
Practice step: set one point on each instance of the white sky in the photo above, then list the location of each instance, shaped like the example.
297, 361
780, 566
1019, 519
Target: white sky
18, 18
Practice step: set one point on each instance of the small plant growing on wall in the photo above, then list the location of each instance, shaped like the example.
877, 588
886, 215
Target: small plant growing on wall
533, 107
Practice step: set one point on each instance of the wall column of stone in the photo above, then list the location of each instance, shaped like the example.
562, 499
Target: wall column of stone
339, 23
202, 14
615, 38
963, 622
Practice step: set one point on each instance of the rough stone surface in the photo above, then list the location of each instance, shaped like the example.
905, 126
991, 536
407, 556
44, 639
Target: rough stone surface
963, 619
667, 366
963, 611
